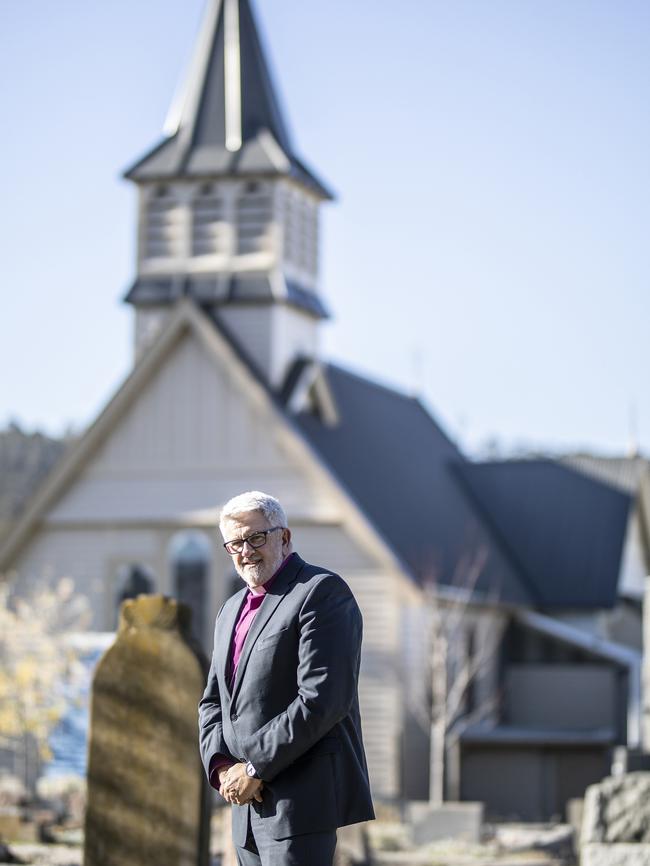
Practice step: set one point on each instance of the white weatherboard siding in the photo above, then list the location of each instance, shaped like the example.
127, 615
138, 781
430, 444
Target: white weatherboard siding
273, 335
294, 334
380, 687
92, 558
253, 326
633, 572
190, 442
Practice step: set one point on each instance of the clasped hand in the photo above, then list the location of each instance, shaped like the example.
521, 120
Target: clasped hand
236, 786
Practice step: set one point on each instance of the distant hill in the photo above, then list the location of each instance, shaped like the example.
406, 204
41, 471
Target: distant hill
25, 460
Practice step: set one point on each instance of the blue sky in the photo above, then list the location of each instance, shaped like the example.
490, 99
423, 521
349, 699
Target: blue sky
489, 248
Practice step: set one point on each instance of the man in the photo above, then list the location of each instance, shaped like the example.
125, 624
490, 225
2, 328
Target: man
279, 720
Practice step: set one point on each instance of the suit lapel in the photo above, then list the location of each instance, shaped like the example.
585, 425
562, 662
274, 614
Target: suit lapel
272, 599
226, 628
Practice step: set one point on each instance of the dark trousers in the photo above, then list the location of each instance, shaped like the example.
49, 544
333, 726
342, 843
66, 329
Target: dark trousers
310, 849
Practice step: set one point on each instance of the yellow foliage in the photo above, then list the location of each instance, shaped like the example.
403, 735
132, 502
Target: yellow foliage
35, 659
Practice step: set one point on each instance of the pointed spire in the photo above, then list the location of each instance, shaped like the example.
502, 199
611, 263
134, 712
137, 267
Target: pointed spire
229, 120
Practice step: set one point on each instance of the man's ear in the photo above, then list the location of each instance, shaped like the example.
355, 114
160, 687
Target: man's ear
286, 537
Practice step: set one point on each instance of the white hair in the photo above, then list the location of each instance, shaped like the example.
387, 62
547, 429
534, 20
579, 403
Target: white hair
254, 500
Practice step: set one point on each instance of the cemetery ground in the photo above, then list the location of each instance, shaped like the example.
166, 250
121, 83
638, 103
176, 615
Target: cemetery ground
146, 801
384, 842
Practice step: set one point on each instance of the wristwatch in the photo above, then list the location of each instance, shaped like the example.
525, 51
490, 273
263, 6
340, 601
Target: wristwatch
251, 771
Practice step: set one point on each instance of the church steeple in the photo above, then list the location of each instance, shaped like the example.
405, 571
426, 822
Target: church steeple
228, 212
228, 119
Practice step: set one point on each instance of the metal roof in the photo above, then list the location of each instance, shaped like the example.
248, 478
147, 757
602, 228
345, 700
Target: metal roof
216, 289
393, 459
565, 530
229, 121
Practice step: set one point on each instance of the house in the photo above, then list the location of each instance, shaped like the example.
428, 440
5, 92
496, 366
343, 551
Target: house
229, 391
570, 662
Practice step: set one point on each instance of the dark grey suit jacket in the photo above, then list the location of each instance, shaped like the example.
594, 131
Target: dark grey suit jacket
294, 710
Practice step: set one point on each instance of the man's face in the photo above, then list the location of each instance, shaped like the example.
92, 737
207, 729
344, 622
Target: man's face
256, 565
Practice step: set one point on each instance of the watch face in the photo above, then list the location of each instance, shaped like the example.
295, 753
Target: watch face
250, 770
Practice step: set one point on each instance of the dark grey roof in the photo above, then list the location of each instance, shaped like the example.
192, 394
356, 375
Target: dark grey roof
217, 289
198, 147
395, 462
551, 536
565, 530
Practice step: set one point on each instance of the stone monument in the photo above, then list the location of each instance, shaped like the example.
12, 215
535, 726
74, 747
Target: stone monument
616, 818
616, 822
148, 799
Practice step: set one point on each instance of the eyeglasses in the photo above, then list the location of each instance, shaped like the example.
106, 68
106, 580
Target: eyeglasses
257, 539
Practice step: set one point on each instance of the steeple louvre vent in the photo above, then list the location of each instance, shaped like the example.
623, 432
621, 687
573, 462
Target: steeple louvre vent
301, 231
254, 214
209, 223
162, 228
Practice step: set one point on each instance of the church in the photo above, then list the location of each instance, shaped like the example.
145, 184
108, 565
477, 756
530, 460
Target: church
229, 392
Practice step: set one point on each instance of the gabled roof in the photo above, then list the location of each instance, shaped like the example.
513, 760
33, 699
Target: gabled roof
230, 121
220, 343
565, 530
397, 464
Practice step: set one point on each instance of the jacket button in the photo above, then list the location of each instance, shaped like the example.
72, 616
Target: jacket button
234, 717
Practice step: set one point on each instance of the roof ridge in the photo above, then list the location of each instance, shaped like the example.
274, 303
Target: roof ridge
375, 383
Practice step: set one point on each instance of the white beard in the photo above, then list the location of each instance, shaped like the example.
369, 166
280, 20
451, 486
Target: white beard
259, 573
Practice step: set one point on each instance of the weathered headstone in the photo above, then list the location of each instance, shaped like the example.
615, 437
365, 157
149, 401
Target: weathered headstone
147, 797
616, 822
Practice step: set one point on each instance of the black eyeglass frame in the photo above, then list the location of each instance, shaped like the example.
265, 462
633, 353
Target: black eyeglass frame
247, 540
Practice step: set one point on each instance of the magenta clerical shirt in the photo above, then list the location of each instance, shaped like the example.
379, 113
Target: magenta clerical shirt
245, 619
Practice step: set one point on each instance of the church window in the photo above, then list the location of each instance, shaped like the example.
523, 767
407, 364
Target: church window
190, 558
133, 580
208, 222
254, 211
161, 227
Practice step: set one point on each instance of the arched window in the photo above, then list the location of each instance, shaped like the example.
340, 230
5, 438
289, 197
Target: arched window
208, 222
161, 226
254, 212
133, 580
190, 557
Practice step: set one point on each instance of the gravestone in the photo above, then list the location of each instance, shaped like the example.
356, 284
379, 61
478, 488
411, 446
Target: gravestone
148, 801
616, 822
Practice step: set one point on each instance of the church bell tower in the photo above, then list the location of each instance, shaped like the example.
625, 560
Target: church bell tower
227, 213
